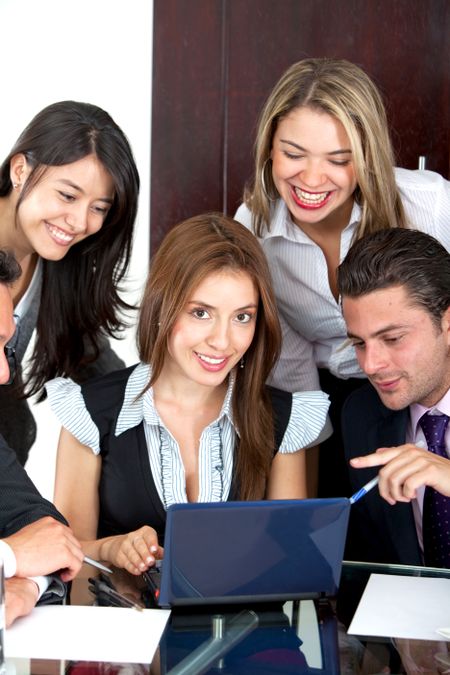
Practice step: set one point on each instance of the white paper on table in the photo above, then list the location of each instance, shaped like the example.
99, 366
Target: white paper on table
113, 634
403, 607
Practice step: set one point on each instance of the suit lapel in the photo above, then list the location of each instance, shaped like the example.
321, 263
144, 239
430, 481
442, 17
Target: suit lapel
398, 520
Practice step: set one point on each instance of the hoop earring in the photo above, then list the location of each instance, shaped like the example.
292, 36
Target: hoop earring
263, 182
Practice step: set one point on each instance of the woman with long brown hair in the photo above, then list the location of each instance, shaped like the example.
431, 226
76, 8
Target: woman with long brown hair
194, 420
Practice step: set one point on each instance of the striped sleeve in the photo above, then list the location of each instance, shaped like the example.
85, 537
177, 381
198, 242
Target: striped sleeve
67, 402
308, 417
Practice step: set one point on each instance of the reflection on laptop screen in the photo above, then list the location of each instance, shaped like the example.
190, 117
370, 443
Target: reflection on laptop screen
230, 552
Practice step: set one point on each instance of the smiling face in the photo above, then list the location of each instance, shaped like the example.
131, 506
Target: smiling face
399, 347
312, 168
68, 204
214, 329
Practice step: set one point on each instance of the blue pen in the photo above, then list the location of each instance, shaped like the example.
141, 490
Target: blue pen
364, 490
368, 486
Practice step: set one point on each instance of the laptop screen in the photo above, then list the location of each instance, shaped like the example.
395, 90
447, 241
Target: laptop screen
231, 552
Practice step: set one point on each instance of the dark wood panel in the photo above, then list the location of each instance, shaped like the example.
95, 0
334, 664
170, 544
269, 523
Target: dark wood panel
187, 105
215, 61
403, 45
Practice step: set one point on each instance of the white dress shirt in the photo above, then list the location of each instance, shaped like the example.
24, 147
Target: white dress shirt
314, 331
9, 559
10, 567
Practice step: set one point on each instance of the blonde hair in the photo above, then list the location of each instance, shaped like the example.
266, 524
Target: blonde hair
190, 252
344, 91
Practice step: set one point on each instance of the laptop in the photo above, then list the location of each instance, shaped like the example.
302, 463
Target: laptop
263, 551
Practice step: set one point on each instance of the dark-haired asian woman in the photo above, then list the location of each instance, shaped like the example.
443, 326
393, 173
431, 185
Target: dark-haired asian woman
68, 201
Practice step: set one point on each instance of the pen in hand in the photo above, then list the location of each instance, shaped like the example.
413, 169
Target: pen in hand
371, 484
96, 564
364, 490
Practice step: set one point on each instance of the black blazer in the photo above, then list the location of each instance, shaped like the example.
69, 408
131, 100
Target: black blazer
20, 501
377, 531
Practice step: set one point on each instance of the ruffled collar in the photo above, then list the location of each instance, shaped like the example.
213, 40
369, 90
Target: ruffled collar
136, 408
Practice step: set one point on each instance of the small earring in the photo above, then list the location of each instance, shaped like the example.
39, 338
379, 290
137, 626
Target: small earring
242, 363
16, 185
263, 182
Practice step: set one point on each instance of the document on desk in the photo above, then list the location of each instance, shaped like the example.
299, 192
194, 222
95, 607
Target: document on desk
403, 607
112, 634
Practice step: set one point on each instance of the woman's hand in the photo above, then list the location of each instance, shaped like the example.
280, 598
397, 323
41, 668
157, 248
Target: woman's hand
135, 551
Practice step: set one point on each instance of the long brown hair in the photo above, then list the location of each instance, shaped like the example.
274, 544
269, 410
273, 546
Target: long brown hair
190, 252
344, 91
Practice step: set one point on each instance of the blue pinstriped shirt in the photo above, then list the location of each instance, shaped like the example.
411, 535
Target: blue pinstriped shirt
217, 441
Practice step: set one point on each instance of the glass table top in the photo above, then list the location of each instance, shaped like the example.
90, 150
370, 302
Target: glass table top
307, 636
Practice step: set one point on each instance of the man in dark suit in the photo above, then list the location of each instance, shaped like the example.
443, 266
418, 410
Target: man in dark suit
395, 290
34, 538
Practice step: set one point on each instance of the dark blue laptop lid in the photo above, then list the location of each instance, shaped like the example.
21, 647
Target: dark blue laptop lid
231, 552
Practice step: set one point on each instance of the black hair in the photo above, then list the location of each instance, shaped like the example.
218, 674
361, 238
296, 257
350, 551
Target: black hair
10, 269
80, 298
399, 257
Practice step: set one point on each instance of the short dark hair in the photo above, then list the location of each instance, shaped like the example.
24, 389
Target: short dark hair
399, 257
10, 269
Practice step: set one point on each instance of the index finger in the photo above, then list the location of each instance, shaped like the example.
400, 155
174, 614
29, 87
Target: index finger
379, 458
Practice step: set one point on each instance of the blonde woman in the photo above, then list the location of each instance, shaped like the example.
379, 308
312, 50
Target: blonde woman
325, 176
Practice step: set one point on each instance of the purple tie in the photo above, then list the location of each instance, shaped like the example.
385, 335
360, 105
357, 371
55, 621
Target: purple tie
436, 507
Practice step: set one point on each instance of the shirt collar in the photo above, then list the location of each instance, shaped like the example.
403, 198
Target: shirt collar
283, 226
137, 408
28, 297
416, 410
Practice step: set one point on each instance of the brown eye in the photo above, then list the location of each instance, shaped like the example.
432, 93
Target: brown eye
244, 317
200, 314
66, 196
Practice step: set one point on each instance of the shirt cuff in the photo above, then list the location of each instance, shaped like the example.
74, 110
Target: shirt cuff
9, 559
42, 583
10, 567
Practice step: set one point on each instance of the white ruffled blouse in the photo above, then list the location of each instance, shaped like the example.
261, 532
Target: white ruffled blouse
308, 416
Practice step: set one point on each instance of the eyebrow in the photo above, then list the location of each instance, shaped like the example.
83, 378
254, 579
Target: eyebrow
332, 152
207, 306
76, 187
386, 329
